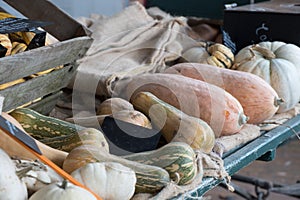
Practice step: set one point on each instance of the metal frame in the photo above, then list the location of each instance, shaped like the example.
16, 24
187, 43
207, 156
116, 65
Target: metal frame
263, 148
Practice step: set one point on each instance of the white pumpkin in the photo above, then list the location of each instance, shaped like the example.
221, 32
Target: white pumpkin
195, 54
277, 63
213, 54
109, 180
11, 187
35, 174
62, 191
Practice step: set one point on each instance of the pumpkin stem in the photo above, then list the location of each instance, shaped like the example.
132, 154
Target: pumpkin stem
243, 119
177, 177
63, 184
278, 101
267, 53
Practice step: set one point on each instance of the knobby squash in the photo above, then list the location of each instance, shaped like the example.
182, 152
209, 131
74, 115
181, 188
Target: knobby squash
278, 64
259, 100
197, 98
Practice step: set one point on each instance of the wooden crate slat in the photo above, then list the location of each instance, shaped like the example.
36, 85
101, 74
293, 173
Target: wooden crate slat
46, 104
43, 58
35, 88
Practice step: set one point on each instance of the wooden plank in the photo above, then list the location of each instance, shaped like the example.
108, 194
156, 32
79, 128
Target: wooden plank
37, 87
46, 104
64, 27
40, 59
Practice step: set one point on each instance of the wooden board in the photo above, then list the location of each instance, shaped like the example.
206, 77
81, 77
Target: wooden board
42, 58
46, 104
32, 89
63, 26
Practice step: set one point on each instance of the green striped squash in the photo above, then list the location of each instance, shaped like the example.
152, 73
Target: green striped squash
40, 126
150, 179
177, 158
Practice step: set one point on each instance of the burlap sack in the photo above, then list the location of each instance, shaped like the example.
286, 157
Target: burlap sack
132, 42
280, 119
129, 43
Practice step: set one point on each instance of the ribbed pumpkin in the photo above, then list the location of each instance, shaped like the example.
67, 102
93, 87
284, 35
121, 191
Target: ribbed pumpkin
276, 62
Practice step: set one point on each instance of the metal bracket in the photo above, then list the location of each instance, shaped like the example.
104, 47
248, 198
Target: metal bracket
268, 156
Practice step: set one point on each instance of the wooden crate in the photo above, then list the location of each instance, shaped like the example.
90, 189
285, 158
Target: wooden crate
74, 42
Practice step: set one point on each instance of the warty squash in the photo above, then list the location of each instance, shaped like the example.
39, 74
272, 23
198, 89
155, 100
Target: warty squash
277, 63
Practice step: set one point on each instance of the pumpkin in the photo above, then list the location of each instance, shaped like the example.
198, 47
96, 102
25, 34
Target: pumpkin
109, 180
62, 191
35, 174
277, 63
130, 116
213, 54
11, 187
112, 105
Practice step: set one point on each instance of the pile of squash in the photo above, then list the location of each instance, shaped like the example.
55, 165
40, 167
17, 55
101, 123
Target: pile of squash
190, 103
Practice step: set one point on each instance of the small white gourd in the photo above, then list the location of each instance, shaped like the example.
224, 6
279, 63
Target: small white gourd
109, 180
62, 191
36, 174
11, 187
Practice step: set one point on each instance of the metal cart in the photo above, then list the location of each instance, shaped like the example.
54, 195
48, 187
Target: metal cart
262, 148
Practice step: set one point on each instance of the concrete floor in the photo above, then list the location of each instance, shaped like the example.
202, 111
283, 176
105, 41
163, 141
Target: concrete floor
284, 169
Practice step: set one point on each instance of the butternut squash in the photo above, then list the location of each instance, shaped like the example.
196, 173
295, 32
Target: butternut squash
223, 113
259, 100
175, 125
